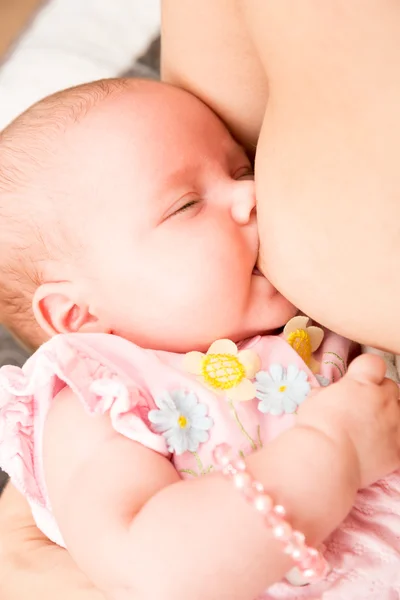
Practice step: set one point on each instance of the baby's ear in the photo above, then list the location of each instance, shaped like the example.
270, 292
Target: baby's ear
58, 310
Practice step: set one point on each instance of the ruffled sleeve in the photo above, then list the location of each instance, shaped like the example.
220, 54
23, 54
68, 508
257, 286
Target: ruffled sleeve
90, 366
16, 431
128, 413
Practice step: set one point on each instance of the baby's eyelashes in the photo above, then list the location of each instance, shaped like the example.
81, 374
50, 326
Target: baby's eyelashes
190, 203
186, 207
244, 174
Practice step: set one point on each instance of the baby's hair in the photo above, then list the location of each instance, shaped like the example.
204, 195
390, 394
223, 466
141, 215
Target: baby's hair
28, 151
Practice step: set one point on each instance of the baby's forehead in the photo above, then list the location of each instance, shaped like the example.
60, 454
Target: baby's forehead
149, 119
96, 112
152, 106
95, 136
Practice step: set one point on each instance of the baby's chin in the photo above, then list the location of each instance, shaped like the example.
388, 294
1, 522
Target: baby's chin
266, 322
283, 311
278, 312
271, 310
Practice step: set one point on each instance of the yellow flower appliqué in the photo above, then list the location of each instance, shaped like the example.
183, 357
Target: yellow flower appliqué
304, 339
225, 370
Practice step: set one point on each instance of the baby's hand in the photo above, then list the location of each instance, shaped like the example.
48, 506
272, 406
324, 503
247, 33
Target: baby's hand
362, 412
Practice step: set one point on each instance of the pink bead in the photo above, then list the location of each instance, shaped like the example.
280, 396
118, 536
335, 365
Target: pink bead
241, 480
280, 510
250, 494
295, 550
229, 470
317, 571
299, 553
309, 574
262, 503
272, 520
239, 464
289, 548
283, 531
258, 486
313, 567
222, 455
309, 561
299, 537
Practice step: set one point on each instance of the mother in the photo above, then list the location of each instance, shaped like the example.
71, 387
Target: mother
317, 85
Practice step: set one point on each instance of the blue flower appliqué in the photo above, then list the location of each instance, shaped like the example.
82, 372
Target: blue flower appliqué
281, 390
182, 420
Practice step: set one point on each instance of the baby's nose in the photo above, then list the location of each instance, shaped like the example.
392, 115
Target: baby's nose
244, 203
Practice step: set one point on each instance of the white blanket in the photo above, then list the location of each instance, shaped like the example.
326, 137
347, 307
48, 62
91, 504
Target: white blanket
72, 42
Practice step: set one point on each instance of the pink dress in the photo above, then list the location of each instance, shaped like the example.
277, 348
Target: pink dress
152, 398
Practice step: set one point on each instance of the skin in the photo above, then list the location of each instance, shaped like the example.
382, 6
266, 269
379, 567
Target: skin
316, 85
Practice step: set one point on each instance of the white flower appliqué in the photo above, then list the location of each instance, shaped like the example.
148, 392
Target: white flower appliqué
281, 390
182, 420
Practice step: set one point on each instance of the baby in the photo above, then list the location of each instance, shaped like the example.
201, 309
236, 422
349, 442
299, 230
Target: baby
128, 226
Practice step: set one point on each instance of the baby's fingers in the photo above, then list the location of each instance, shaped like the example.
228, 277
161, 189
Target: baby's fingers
391, 390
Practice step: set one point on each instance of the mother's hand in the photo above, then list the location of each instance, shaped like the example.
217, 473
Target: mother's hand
30, 565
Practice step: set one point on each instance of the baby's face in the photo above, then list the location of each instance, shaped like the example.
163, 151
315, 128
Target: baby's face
170, 225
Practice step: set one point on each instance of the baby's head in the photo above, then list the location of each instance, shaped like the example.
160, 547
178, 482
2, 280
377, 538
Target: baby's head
127, 207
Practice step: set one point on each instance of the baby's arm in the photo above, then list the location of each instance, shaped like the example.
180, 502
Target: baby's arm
140, 532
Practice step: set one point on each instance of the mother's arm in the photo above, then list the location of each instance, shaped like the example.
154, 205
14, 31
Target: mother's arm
30, 565
206, 49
